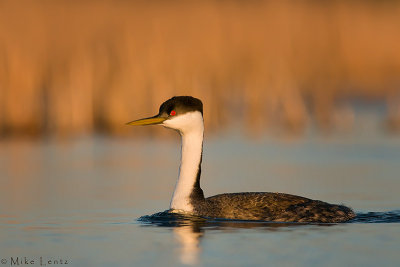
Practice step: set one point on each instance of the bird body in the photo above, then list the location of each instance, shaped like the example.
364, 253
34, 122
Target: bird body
271, 207
185, 114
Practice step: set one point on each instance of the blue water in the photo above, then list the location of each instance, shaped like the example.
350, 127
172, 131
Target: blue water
88, 201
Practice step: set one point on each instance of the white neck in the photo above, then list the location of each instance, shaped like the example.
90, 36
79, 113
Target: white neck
191, 128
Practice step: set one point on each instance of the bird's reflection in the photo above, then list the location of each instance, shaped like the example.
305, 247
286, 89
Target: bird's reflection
189, 239
189, 230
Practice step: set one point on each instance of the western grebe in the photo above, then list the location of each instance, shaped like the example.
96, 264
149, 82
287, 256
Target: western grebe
185, 114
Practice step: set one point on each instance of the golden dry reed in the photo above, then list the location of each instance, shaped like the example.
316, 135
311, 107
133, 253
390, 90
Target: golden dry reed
79, 67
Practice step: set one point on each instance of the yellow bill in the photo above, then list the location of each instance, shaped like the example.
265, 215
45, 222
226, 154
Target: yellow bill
147, 121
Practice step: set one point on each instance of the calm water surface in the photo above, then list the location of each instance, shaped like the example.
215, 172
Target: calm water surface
80, 202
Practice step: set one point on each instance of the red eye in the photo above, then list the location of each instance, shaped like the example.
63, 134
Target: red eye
173, 113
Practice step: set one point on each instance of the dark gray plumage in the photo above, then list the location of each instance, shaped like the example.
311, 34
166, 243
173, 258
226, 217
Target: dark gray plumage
265, 206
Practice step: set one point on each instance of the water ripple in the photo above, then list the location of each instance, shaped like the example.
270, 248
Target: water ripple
167, 219
377, 217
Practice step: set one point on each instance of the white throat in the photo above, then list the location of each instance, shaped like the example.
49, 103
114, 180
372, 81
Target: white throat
191, 128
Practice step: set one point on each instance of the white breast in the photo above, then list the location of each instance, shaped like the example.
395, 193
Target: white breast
191, 127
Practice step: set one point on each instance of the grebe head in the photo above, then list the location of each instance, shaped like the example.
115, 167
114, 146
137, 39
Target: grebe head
181, 113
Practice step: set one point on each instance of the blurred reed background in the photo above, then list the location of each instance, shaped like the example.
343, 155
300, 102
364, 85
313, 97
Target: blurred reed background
80, 67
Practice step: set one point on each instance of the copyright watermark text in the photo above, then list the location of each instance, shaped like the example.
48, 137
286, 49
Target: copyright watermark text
33, 261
